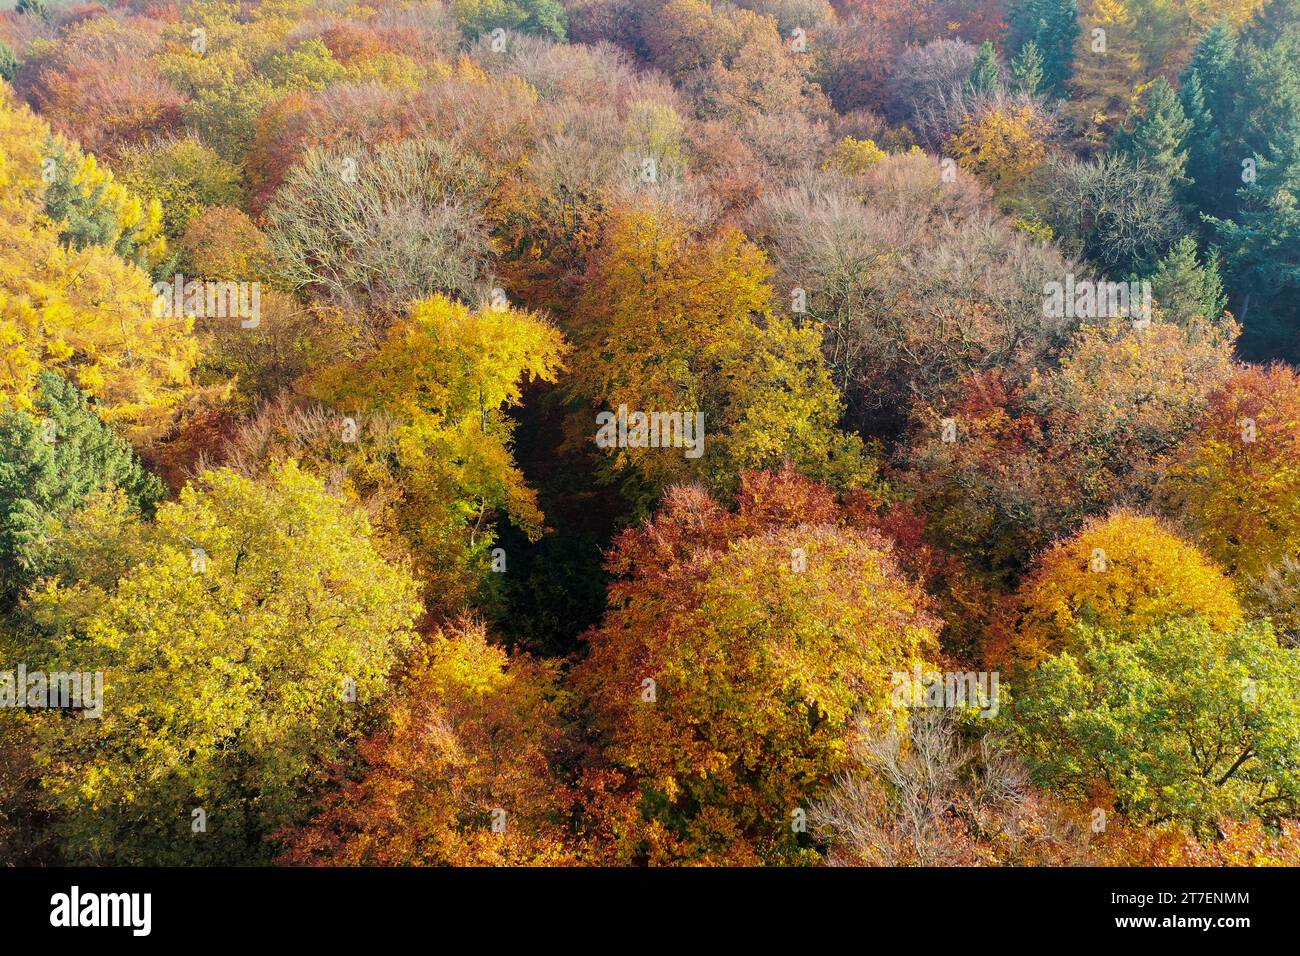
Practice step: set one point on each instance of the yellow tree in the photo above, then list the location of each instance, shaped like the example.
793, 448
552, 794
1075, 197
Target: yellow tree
1000, 144
446, 376
854, 156
1237, 488
243, 636
1107, 70
669, 322
80, 307
1123, 574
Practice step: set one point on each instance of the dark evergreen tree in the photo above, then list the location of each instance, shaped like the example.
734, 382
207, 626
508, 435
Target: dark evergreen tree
1262, 246
1273, 22
1208, 88
1258, 225
1052, 26
51, 459
1158, 136
984, 73
33, 8
1184, 288
87, 221
8, 62
1027, 69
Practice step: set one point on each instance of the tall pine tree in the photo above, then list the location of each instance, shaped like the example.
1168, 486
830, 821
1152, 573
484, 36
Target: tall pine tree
50, 461
1186, 290
1052, 26
1213, 164
1027, 69
1159, 134
1261, 239
984, 73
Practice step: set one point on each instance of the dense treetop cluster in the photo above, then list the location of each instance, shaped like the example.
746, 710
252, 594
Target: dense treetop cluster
986, 311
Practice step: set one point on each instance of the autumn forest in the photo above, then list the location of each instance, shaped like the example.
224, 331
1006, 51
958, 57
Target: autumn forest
623, 433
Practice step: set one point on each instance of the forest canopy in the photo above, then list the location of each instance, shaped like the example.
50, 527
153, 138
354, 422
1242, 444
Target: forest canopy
650, 432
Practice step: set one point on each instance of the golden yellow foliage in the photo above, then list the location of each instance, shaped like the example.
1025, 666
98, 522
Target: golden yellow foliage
461, 776
22, 189
854, 156
673, 322
89, 314
1123, 573
1107, 70
446, 376
85, 310
1000, 145
1238, 487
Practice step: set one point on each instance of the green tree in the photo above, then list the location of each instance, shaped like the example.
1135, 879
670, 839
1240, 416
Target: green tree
1027, 69
225, 115
1159, 135
1052, 26
1274, 21
1185, 289
1261, 236
1207, 97
308, 66
1182, 722
51, 459
93, 209
1212, 63
35, 8
1262, 245
545, 17
8, 62
984, 73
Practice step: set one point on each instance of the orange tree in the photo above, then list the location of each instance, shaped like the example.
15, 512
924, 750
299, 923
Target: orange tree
1238, 487
460, 774
1022, 465
738, 653
1124, 573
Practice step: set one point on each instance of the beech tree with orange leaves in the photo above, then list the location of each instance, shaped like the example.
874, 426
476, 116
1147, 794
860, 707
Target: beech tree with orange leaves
460, 776
1124, 573
1023, 464
739, 650
1237, 486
